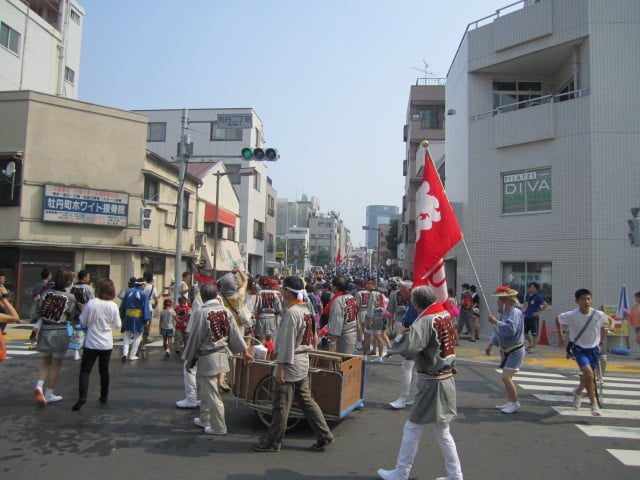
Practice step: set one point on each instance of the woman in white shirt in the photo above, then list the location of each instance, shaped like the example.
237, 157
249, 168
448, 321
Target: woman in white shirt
100, 317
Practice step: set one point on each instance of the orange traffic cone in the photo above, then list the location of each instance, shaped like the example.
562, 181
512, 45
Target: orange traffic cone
543, 340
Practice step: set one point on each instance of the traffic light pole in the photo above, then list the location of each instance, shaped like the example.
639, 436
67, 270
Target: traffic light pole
183, 159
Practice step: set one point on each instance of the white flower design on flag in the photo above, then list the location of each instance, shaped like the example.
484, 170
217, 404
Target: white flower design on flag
428, 209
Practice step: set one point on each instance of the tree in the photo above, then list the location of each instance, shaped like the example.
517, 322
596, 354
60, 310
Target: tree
321, 258
393, 239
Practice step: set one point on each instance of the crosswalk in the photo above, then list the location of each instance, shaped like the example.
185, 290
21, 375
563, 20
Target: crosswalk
622, 402
20, 348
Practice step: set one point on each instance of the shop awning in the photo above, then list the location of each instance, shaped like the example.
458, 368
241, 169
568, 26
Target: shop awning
225, 217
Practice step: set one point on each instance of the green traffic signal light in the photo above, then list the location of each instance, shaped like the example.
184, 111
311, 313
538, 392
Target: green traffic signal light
247, 153
269, 154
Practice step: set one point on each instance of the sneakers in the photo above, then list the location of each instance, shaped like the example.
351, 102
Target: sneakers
262, 447
577, 399
411, 403
377, 360
186, 403
500, 407
39, 396
512, 407
391, 475
398, 404
595, 410
51, 397
135, 357
211, 431
531, 350
198, 423
320, 445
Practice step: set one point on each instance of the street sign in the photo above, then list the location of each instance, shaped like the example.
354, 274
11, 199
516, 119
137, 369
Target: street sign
234, 121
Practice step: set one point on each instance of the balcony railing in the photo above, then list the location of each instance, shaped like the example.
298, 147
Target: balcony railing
532, 102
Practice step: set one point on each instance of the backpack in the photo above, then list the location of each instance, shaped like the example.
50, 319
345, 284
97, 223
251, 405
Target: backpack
466, 301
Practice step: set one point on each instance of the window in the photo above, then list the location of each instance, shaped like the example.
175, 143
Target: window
431, 118
9, 38
224, 134
75, 16
151, 188
258, 230
156, 131
256, 181
519, 275
270, 243
526, 191
567, 92
69, 75
187, 216
509, 96
271, 206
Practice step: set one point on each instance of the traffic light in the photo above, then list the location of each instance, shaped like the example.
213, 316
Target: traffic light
145, 218
634, 231
269, 154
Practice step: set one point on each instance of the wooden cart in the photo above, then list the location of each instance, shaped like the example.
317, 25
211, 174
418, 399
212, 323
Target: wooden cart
337, 385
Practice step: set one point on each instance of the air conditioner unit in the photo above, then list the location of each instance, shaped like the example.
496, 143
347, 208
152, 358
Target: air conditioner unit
201, 239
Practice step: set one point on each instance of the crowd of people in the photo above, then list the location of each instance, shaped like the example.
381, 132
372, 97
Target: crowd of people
289, 317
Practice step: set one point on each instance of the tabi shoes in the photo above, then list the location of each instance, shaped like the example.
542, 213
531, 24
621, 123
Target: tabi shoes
577, 399
391, 475
512, 407
398, 404
186, 403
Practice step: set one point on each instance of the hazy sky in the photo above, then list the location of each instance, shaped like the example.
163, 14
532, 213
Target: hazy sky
330, 79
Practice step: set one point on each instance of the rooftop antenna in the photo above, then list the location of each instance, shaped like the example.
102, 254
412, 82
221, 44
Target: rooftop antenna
424, 70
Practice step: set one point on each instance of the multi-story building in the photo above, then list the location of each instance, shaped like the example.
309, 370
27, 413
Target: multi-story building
295, 213
270, 230
377, 215
545, 158
40, 45
221, 134
425, 121
71, 195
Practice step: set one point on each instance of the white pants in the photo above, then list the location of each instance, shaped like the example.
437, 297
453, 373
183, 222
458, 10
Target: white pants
409, 448
190, 386
406, 375
135, 343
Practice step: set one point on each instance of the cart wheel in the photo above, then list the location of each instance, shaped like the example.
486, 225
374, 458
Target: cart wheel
263, 397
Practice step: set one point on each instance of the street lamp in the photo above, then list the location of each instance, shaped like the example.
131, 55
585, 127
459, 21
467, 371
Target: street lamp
243, 172
377, 229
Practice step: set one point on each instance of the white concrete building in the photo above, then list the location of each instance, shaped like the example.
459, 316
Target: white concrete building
545, 157
223, 143
40, 45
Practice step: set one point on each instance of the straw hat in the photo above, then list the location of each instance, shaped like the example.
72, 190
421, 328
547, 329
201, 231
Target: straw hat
505, 291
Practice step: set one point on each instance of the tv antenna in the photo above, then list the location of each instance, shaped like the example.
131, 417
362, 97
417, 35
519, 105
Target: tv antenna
424, 70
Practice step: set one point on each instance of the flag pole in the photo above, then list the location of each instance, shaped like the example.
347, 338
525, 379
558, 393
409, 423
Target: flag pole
475, 274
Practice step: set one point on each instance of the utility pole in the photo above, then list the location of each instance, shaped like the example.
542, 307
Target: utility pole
183, 160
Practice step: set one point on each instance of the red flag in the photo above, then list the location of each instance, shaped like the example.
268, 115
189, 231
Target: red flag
338, 258
437, 231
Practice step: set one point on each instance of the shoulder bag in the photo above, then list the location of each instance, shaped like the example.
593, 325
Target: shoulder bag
570, 344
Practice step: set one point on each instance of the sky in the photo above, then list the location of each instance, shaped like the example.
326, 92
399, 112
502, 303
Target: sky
329, 79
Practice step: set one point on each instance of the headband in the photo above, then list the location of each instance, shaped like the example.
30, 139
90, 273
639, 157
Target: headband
299, 293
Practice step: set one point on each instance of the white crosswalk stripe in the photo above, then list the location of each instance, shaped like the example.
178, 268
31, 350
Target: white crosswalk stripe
18, 349
621, 403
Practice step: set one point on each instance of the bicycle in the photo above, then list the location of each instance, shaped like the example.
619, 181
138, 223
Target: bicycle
598, 375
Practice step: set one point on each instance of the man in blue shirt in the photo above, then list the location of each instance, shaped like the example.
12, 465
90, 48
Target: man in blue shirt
535, 304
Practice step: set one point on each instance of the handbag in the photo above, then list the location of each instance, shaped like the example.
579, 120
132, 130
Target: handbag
76, 334
571, 343
3, 347
52, 340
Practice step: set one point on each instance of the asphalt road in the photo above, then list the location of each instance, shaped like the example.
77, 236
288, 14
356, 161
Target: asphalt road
139, 434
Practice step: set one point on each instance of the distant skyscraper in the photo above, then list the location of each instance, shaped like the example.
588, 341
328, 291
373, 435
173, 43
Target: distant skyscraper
377, 215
